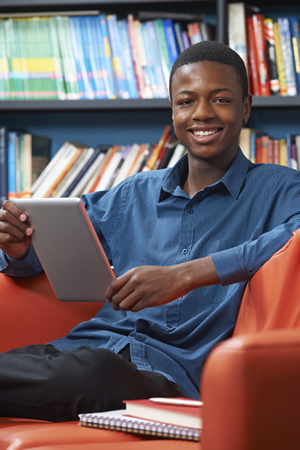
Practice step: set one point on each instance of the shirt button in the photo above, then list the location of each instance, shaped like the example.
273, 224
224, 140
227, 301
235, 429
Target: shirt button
190, 210
184, 251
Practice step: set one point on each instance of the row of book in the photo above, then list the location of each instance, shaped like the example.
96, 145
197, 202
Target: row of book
259, 147
77, 169
270, 49
97, 56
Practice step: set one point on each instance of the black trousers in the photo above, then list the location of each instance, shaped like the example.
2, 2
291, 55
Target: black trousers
41, 382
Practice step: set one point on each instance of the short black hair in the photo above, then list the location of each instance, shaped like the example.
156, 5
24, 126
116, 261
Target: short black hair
214, 52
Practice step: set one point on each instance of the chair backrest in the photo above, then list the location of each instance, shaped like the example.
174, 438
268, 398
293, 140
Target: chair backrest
31, 313
272, 297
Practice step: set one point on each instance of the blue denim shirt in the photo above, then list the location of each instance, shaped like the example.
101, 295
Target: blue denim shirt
149, 220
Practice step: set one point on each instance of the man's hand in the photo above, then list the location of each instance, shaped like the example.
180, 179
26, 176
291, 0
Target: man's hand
14, 231
147, 286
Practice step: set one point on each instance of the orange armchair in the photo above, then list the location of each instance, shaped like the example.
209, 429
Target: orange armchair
250, 383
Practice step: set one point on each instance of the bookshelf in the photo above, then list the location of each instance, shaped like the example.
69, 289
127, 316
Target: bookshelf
95, 121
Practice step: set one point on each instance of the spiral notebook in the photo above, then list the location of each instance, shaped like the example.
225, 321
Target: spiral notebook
119, 421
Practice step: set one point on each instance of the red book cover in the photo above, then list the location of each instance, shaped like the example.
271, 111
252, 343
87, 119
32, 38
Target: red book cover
188, 416
258, 155
262, 55
253, 65
265, 149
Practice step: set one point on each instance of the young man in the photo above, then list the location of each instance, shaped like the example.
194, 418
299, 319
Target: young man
183, 242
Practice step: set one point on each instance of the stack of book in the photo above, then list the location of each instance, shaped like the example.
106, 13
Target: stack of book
259, 147
76, 169
269, 47
93, 56
176, 418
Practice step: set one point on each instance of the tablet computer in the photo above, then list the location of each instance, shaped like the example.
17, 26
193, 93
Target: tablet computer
68, 248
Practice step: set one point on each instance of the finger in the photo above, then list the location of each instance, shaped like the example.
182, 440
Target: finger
116, 285
8, 205
12, 230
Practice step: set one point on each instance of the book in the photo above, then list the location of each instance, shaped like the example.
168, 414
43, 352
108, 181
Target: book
166, 157
178, 33
171, 40
117, 56
163, 50
135, 57
142, 58
72, 173
237, 33
181, 415
178, 152
295, 35
287, 54
54, 169
3, 165
194, 32
127, 59
261, 54
156, 150
13, 140
40, 155
283, 156
153, 46
127, 165
64, 171
105, 51
108, 157
84, 86
25, 168
253, 59
279, 60
269, 36
118, 421
87, 172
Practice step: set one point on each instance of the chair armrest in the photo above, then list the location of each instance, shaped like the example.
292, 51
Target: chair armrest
251, 392
30, 313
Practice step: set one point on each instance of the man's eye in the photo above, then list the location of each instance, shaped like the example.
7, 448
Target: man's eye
221, 100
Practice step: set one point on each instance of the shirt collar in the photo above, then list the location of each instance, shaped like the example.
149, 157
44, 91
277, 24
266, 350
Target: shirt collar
232, 180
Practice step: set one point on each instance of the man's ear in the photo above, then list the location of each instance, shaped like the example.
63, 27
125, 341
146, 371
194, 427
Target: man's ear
247, 108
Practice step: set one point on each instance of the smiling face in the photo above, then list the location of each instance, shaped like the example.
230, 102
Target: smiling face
208, 112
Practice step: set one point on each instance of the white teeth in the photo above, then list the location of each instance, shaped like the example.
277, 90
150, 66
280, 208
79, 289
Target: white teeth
204, 133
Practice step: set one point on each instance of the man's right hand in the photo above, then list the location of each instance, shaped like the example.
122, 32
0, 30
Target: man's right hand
15, 232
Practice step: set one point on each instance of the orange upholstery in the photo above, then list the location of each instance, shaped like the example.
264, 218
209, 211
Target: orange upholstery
250, 383
31, 313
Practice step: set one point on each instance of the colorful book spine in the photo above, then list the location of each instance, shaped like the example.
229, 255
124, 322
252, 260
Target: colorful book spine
161, 84
262, 57
185, 39
135, 57
3, 165
25, 168
287, 54
4, 69
178, 33
89, 57
194, 32
171, 40
68, 60
279, 61
12, 164
82, 76
295, 33
163, 50
270, 41
108, 76
237, 34
253, 59
127, 58
117, 60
